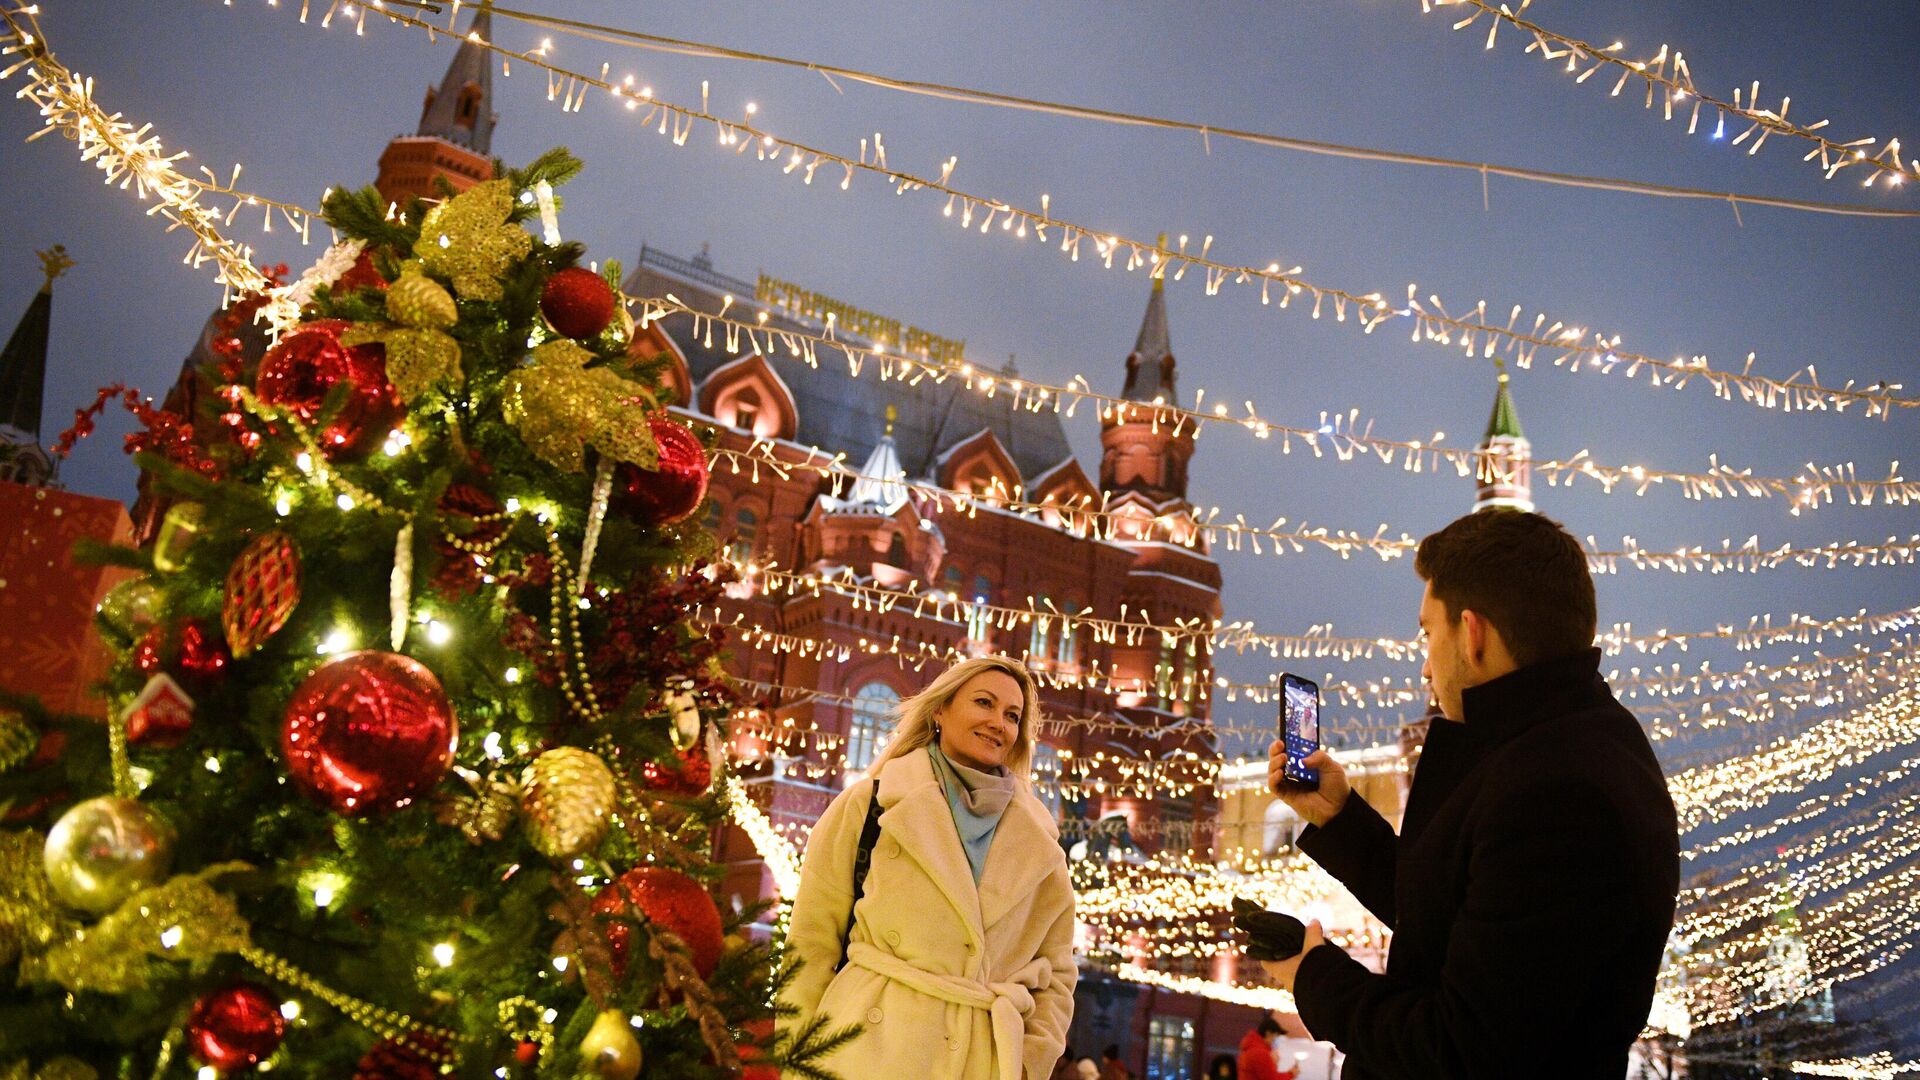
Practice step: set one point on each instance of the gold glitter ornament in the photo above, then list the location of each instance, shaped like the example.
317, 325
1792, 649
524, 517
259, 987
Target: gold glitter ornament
610, 1051
185, 920
60, 1068
31, 918
568, 799
179, 528
486, 814
18, 738
418, 301
560, 407
468, 240
104, 850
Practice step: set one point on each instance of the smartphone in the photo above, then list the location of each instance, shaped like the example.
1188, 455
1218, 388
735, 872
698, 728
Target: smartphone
1300, 727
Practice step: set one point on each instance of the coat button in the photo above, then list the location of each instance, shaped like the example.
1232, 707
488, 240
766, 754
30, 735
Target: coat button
969, 946
893, 937
893, 849
873, 1016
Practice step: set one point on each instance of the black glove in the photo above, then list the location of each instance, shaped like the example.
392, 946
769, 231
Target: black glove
1270, 934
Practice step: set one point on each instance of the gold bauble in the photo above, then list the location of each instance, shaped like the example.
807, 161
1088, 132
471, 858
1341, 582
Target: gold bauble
610, 1050
178, 530
568, 800
104, 850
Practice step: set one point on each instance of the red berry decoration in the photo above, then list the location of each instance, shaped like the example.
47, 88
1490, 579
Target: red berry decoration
235, 1028
672, 490
577, 302
368, 733
667, 897
298, 372
190, 650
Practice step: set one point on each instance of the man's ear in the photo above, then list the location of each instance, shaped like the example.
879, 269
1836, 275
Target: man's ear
1473, 631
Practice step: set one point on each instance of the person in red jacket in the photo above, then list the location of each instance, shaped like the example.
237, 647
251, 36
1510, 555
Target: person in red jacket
1256, 1054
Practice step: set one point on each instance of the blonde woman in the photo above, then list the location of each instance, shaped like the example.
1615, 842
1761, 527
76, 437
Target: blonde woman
954, 951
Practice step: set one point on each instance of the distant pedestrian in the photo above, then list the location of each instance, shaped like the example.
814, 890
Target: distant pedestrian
1256, 1053
1110, 1067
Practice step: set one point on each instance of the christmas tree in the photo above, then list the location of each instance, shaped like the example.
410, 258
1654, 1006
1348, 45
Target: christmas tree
415, 755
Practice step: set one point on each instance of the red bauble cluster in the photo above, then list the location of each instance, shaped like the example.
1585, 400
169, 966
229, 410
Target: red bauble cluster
298, 372
368, 733
235, 1028
577, 302
667, 897
390, 1059
690, 774
670, 491
190, 650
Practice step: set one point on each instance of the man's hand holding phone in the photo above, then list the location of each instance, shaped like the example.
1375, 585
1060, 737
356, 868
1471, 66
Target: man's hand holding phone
1317, 804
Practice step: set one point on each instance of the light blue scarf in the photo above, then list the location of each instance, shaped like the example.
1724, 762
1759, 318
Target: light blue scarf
977, 800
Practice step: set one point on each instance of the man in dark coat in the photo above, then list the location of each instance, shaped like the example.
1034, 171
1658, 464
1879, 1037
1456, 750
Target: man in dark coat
1531, 888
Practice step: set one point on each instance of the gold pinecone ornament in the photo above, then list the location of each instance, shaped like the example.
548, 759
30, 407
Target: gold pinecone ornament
567, 795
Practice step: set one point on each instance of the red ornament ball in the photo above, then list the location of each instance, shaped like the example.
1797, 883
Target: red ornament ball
667, 897
189, 650
298, 372
669, 492
577, 302
235, 1028
689, 774
368, 733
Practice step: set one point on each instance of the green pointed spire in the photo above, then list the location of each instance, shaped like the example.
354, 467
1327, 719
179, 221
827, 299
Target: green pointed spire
1506, 419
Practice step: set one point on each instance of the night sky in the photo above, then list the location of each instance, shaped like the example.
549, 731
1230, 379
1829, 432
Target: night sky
304, 108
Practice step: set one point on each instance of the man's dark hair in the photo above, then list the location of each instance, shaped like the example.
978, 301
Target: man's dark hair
1112, 1051
1269, 1027
1520, 571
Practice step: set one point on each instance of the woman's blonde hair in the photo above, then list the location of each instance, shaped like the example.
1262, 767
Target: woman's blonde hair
914, 726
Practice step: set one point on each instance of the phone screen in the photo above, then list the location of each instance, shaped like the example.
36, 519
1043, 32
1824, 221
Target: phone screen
1300, 726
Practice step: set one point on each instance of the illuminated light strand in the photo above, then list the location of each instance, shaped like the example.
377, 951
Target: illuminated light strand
1667, 78
132, 156
1714, 793
1568, 346
678, 46
1813, 809
1082, 517
1343, 434
783, 862
1879, 1065
1319, 641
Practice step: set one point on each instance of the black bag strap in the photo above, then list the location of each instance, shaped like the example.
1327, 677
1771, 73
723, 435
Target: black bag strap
862, 858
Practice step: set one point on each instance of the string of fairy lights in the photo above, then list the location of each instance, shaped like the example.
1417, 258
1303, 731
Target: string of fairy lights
1668, 79
1343, 435
1474, 333
1855, 934
1095, 518
835, 73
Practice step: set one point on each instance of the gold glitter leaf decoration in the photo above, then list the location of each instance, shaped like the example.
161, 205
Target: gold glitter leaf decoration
184, 920
30, 917
416, 358
469, 241
560, 407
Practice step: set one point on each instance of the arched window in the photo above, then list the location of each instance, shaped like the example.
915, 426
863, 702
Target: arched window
1042, 629
979, 623
1068, 651
952, 580
867, 727
746, 526
746, 409
469, 107
1163, 674
897, 551
710, 518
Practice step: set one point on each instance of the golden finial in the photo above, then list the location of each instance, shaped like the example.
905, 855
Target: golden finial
1500, 365
1160, 278
53, 262
893, 414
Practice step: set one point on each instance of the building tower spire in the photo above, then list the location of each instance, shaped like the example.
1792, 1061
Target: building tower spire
455, 136
1505, 471
23, 378
1142, 452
